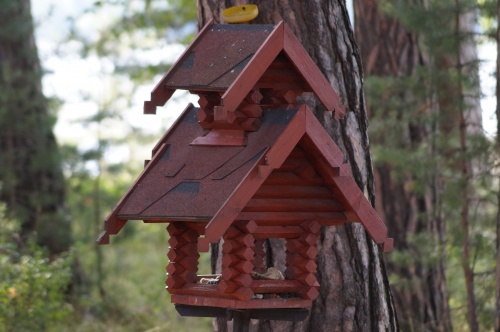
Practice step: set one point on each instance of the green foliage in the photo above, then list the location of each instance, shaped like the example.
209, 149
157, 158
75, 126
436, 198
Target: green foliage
488, 18
134, 297
122, 287
433, 20
32, 286
415, 132
134, 28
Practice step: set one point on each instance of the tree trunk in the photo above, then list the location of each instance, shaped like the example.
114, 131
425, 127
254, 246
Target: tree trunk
354, 293
388, 49
442, 107
497, 274
30, 174
461, 21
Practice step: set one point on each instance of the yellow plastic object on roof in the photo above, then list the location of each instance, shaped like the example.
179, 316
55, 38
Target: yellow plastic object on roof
240, 14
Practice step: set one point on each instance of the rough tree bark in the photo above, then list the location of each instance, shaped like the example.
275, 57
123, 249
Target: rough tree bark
388, 49
497, 273
31, 178
354, 293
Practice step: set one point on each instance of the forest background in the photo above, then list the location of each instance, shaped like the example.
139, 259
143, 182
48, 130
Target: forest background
110, 54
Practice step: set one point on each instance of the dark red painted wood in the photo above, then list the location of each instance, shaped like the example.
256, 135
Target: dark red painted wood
249, 165
292, 216
292, 191
311, 73
260, 61
293, 205
275, 286
237, 304
242, 194
159, 95
237, 58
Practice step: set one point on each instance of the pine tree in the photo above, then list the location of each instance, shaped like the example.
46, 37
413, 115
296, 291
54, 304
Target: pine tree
30, 171
393, 59
422, 77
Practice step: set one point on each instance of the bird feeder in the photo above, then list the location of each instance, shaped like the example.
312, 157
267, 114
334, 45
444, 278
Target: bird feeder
250, 163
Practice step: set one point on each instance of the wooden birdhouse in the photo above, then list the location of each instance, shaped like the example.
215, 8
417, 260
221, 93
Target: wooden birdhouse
249, 164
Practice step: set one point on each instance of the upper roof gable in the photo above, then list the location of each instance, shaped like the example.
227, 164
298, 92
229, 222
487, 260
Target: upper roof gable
232, 58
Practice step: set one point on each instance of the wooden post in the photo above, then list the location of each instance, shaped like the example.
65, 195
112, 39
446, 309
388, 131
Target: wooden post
301, 260
237, 263
183, 255
241, 321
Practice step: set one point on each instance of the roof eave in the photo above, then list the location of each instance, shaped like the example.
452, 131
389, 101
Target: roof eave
361, 208
312, 74
161, 94
113, 224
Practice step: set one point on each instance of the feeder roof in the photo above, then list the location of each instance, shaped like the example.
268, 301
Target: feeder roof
290, 161
233, 59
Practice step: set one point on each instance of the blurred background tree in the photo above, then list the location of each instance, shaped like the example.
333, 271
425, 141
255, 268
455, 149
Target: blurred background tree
30, 172
432, 165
